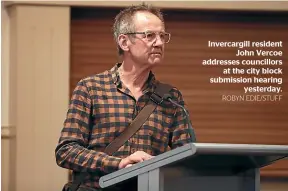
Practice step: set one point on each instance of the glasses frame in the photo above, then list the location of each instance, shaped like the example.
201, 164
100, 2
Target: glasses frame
146, 32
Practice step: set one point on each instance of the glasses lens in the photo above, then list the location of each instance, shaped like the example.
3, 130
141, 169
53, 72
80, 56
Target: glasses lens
166, 37
150, 36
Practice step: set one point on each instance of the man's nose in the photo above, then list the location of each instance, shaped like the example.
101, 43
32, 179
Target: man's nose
158, 41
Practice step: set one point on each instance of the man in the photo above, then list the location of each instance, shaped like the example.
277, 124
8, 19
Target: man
103, 105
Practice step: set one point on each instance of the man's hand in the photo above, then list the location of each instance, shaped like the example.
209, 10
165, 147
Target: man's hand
128, 165
138, 156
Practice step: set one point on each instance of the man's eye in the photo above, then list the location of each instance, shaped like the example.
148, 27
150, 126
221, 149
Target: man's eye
150, 35
162, 35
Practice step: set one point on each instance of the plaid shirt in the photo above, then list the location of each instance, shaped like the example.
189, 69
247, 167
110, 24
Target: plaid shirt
100, 109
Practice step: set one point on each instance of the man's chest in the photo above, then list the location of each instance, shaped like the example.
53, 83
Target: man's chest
113, 113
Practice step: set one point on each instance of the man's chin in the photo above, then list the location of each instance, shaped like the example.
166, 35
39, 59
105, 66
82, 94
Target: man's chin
156, 61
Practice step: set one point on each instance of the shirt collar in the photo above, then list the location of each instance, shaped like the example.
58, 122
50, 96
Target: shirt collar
115, 74
148, 86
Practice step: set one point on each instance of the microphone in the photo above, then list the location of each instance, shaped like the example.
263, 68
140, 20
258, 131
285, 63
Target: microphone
190, 128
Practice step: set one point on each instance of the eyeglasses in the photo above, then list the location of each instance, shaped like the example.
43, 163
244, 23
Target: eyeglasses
151, 36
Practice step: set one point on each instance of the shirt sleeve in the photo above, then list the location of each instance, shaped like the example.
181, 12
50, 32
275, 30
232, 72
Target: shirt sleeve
71, 151
180, 129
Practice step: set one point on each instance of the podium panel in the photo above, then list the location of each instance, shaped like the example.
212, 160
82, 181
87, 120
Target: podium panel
180, 179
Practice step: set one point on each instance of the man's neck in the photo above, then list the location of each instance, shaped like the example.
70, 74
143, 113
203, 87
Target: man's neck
133, 76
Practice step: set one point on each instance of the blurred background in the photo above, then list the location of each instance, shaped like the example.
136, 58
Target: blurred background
48, 46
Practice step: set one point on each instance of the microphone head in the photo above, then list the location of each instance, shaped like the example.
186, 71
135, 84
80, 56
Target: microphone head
167, 96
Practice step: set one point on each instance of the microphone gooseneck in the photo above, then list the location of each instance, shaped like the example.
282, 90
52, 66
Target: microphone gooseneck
190, 128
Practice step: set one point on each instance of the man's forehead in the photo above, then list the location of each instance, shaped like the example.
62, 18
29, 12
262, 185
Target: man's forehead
144, 18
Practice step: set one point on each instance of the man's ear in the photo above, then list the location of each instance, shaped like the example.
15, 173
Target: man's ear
123, 42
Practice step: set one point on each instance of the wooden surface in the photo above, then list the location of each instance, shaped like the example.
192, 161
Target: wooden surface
93, 51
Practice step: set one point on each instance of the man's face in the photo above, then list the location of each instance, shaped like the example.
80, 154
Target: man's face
146, 48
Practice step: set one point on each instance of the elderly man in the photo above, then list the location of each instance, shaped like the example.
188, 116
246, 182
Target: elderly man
104, 105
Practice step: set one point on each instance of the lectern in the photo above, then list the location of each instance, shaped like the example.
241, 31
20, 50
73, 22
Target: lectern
201, 167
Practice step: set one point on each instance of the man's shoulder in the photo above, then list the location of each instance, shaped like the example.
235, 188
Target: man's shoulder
98, 79
174, 91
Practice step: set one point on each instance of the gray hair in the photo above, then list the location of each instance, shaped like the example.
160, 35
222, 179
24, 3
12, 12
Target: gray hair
124, 22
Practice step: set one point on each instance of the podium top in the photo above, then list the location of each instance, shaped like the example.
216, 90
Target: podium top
242, 149
204, 156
